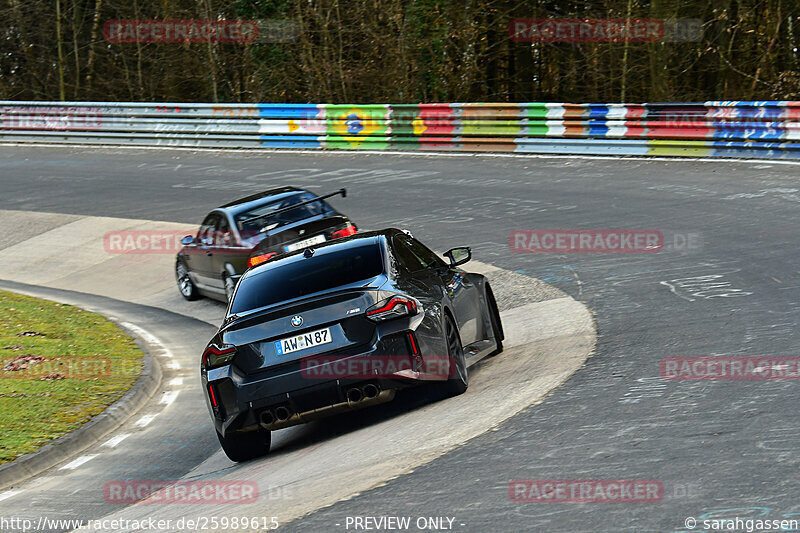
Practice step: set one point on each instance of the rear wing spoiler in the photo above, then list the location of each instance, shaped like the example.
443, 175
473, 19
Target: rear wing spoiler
342, 191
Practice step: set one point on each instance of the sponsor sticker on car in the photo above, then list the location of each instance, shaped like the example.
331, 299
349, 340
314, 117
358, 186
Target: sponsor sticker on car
304, 244
301, 342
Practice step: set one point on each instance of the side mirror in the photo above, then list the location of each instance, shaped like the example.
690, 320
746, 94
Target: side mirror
459, 256
186, 241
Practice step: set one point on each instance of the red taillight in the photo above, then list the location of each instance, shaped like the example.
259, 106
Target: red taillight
215, 356
258, 259
397, 306
211, 392
349, 230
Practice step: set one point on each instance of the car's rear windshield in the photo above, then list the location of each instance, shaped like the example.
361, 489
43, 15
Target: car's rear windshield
247, 223
308, 275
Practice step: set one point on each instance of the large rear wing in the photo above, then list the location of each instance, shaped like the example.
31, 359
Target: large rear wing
342, 191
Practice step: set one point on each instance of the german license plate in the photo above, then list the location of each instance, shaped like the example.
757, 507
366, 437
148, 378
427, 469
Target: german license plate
302, 342
304, 244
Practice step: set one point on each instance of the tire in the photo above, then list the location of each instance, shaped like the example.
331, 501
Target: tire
240, 447
497, 325
459, 381
186, 286
229, 285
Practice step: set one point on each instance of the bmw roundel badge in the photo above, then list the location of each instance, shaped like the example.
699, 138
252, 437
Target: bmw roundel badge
297, 321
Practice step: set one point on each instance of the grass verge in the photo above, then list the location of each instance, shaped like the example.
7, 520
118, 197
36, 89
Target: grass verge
59, 367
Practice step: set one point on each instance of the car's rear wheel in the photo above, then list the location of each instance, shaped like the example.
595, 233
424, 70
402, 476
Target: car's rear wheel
458, 380
497, 325
185, 283
241, 447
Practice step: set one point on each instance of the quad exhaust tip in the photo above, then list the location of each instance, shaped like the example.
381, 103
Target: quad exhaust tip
279, 416
370, 391
354, 395
282, 414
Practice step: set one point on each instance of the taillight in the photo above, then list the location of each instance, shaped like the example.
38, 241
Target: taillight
349, 230
258, 259
215, 356
394, 307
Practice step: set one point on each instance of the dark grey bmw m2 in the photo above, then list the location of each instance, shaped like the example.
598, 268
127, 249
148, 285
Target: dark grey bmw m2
343, 326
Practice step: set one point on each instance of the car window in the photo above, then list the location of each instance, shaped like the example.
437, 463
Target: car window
303, 211
424, 254
306, 276
247, 224
406, 259
223, 237
208, 228
413, 255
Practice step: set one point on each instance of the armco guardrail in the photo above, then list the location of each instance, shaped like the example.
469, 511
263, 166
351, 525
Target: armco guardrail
769, 129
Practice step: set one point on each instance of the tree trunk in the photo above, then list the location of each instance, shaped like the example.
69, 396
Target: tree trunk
98, 5
61, 92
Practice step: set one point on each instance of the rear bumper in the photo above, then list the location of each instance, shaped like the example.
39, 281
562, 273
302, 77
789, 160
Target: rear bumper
301, 393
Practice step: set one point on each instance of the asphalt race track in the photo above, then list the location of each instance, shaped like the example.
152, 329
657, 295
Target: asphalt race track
726, 284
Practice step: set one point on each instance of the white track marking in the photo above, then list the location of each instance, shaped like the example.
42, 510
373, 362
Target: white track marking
707, 287
169, 397
9, 494
149, 337
146, 419
114, 441
174, 365
176, 381
673, 291
72, 465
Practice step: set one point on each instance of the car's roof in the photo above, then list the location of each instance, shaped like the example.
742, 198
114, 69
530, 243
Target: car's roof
260, 198
359, 239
